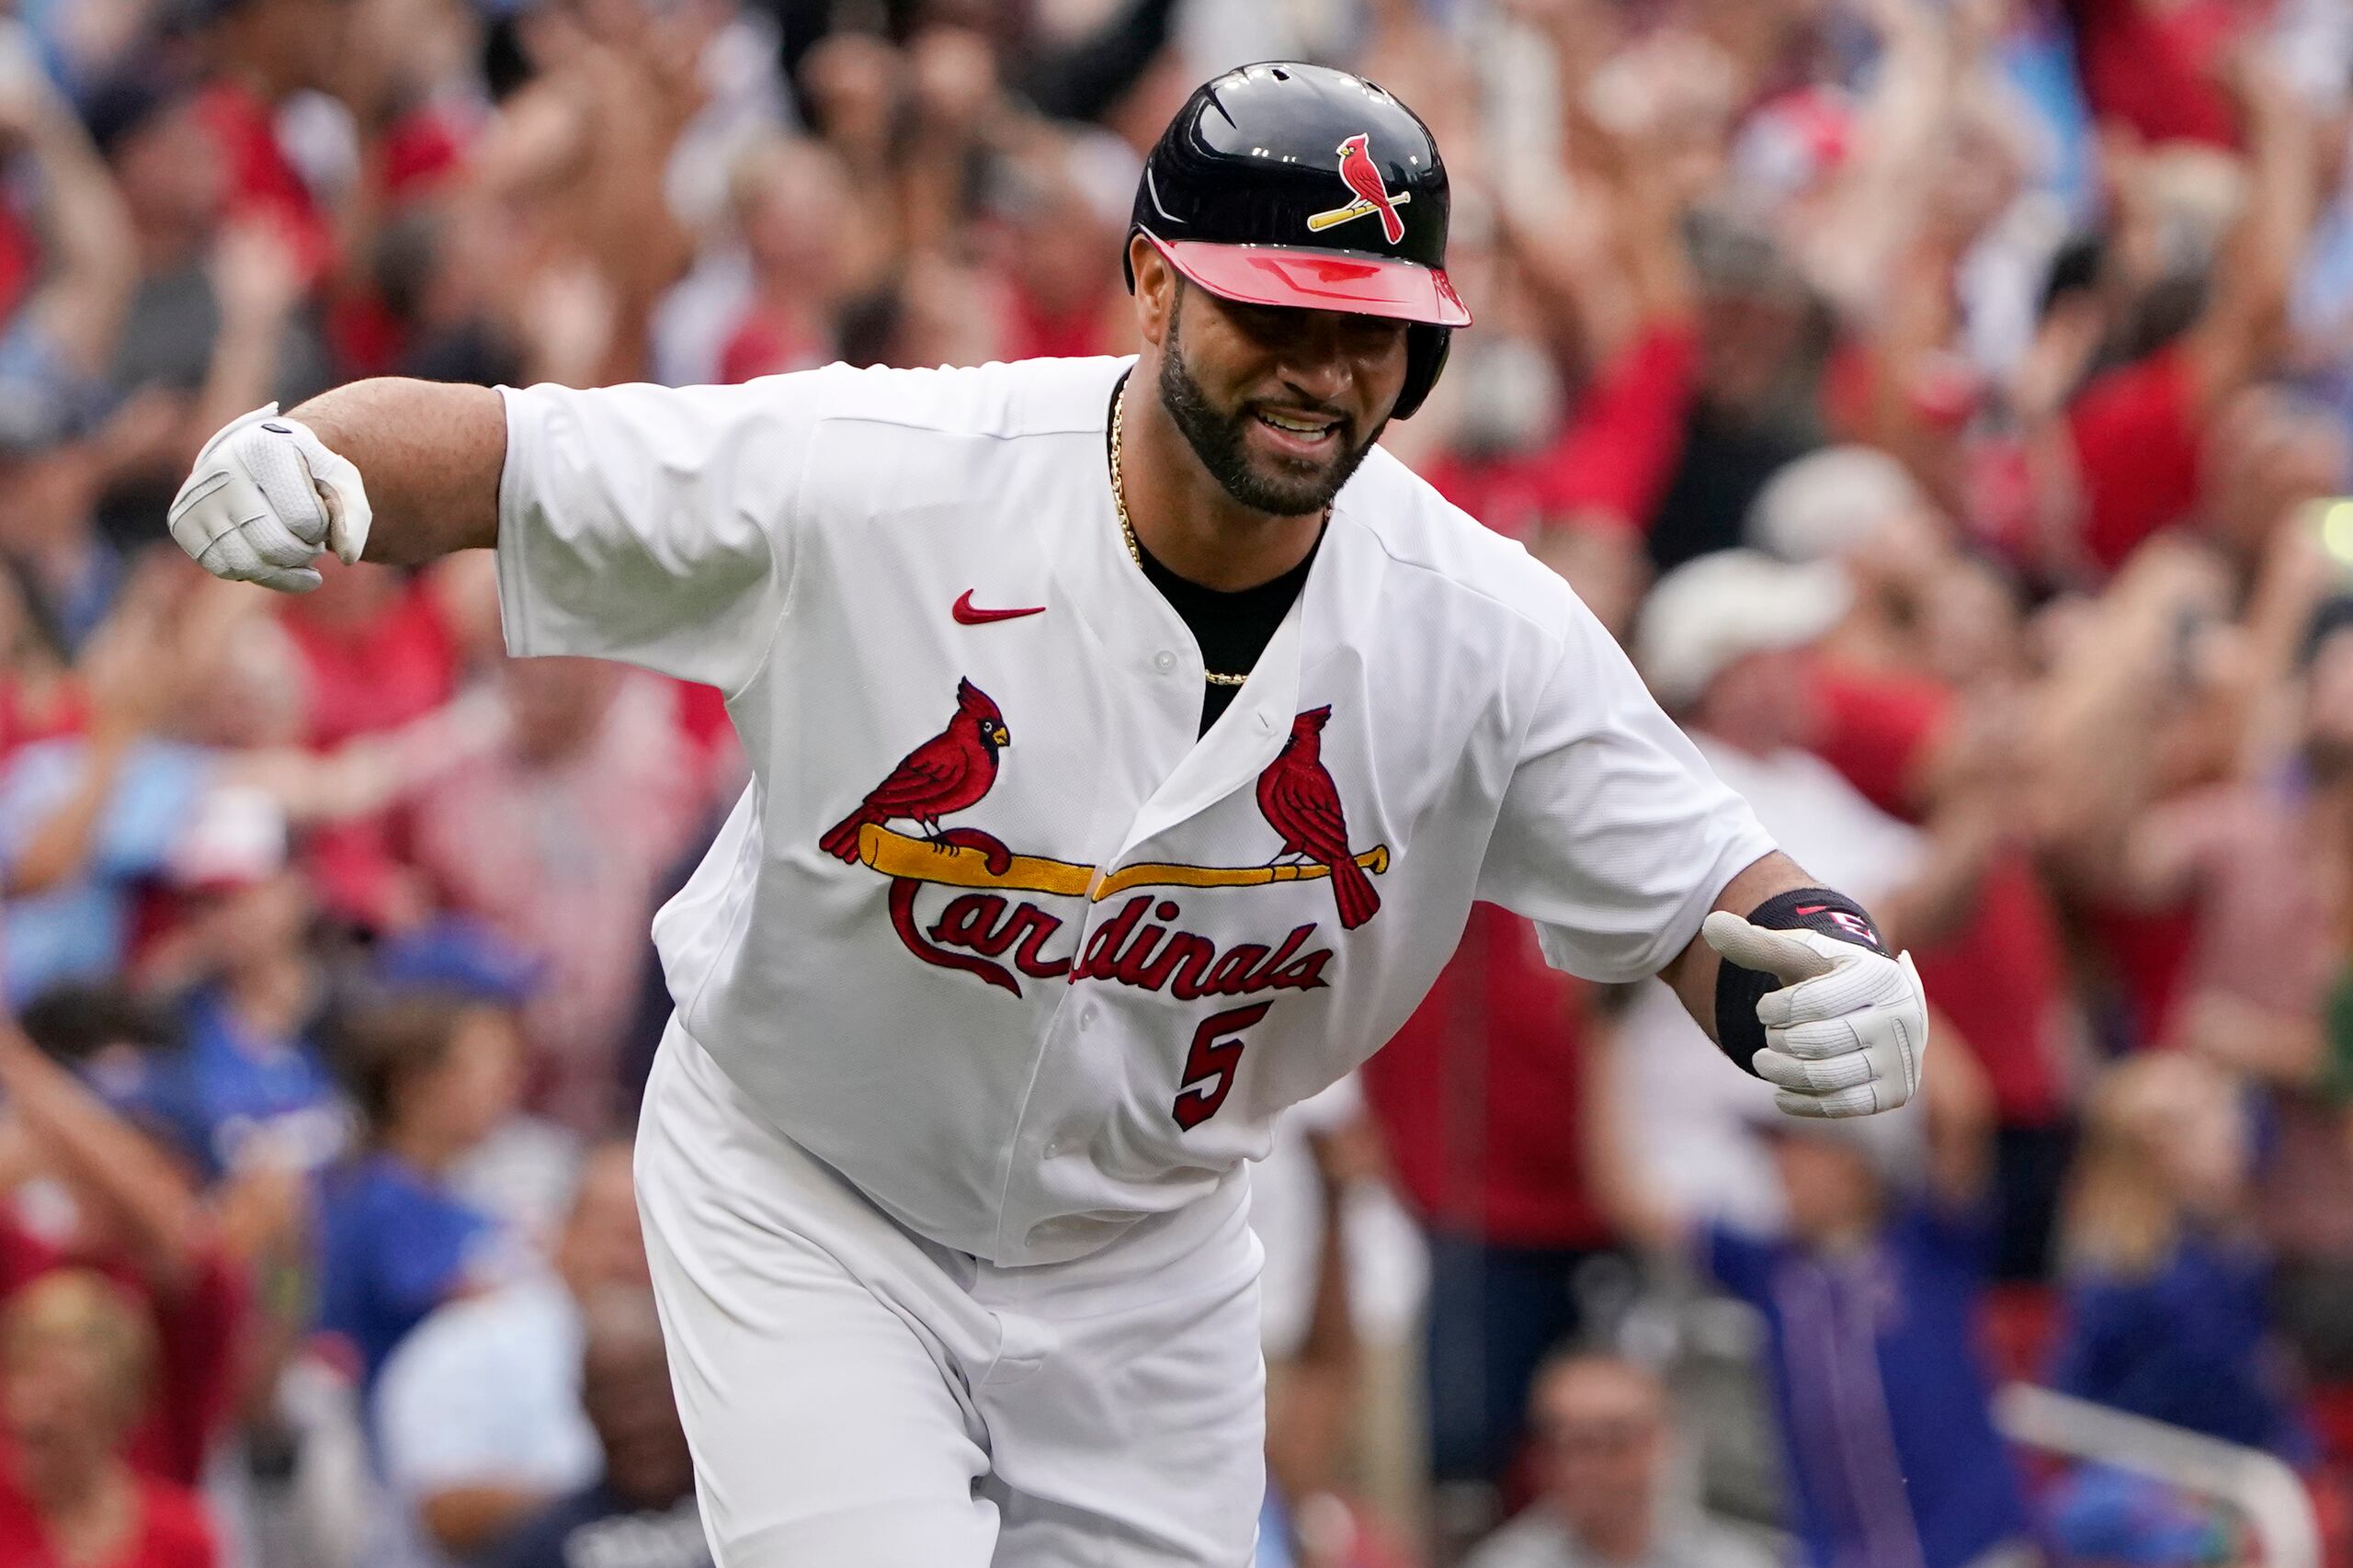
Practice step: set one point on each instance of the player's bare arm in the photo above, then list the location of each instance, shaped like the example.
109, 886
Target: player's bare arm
431, 453
389, 469
1692, 975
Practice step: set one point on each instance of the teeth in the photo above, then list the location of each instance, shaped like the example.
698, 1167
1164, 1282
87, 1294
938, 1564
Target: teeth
1296, 427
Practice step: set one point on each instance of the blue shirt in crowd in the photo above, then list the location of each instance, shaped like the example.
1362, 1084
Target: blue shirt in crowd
80, 929
1885, 1433
225, 1090
2186, 1343
393, 1244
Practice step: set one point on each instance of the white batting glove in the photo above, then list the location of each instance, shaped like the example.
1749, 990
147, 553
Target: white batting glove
1845, 1033
265, 497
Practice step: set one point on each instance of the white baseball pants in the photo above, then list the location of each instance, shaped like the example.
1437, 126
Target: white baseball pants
857, 1397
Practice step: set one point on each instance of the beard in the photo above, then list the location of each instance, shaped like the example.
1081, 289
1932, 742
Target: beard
1221, 440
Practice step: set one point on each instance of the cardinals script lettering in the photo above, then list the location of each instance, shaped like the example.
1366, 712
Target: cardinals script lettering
989, 938
982, 926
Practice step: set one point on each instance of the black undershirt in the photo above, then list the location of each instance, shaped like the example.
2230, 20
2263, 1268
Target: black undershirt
1233, 628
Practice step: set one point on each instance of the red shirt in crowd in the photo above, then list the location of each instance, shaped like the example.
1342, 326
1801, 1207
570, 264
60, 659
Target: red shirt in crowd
1612, 462
2137, 434
2147, 952
1999, 977
398, 664
263, 182
1480, 1094
2154, 66
361, 676
60, 711
766, 344
171, 1531
19, 260
1032, 332
199, 1328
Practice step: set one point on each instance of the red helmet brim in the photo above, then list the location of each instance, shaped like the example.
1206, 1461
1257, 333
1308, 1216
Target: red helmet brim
1296, 278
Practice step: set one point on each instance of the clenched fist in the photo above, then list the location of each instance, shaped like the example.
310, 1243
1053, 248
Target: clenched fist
265, 498
1845, 1033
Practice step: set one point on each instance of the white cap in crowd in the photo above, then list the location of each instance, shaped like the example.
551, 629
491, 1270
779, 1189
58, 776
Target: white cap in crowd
235, 837
1830, 502
1708, 614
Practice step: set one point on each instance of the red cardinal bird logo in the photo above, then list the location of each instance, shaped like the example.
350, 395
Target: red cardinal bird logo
946, 774
1357, 168
1301, 803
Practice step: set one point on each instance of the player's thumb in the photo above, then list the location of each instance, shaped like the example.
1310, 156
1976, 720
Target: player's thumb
1784, 955
337, 481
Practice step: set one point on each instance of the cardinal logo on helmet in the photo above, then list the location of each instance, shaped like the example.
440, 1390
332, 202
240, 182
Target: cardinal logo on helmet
1371, 196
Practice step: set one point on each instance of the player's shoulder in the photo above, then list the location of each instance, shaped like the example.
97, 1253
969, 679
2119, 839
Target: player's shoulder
1028, 397
1434, 546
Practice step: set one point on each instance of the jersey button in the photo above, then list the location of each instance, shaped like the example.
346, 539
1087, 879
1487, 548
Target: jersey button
1053, 1149
1164, 661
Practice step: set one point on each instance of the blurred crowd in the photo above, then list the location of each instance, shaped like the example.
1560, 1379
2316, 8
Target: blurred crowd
1946, 401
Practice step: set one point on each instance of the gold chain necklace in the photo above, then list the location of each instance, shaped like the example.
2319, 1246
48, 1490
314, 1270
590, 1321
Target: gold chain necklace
1128, 530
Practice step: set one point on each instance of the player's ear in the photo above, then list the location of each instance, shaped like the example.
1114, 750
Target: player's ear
1156, 284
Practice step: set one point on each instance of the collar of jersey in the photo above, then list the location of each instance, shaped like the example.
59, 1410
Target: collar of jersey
1134, 624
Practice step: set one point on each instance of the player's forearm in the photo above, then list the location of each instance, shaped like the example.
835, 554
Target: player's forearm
430, 452
1693, 973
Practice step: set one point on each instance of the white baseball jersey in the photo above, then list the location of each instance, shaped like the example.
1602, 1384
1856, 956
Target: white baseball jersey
995, 931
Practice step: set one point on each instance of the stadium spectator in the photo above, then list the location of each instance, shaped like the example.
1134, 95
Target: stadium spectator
523, 1172
55, 350
1480, 1098
1726, 643
1331, 1310
256, 56
1923, 701
646, 1494
2165, 1307
249, 1085
1605, 1443
556, 838
90, 809
76, 1362
215, 325
802, 227
1867, 1294
89, 1190
2148, 437
432, 1078
2257, 859
479, 1416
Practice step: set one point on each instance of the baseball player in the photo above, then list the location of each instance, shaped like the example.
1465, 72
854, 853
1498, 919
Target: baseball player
1130, 739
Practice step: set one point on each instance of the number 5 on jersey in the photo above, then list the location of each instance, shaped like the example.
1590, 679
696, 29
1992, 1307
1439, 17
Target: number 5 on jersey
1211, 1064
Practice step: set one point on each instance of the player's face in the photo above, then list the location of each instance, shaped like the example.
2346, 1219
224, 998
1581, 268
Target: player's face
1280, 405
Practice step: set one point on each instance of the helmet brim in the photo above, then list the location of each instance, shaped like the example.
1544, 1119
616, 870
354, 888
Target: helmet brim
1301, 278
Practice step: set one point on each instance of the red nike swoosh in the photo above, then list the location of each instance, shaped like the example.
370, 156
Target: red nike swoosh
967, 615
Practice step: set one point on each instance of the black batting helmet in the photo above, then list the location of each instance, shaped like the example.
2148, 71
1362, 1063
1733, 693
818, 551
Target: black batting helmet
1301, 185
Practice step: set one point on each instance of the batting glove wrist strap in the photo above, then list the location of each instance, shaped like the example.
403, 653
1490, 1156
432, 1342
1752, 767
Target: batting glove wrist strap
1738, 990
1843, 1025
